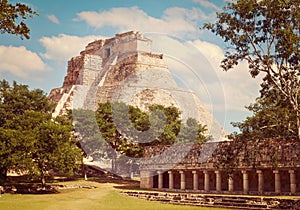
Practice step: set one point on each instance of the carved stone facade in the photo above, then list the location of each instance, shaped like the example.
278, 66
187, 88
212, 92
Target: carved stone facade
269, 166
123, 68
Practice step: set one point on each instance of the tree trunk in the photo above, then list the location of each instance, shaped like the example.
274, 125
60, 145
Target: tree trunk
43, 180
298, 123
3, 175
84, 172
130, 170
84, 169
113, 162
85, 176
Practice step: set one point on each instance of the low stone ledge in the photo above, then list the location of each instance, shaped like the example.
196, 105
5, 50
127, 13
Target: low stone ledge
226, 201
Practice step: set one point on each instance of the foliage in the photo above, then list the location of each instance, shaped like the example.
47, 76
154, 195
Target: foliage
128, 129
257, 153
17, 98
30, 140
55, 148
192, 132
116, 128
166, 121
265, 34
88, 134
272, 117
13, 17
14, 101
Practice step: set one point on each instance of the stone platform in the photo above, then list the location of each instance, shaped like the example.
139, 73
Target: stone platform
221, 201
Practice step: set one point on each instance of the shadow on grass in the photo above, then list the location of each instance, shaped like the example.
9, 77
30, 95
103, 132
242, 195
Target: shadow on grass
26, 185
121, 183
29, 188
129, 186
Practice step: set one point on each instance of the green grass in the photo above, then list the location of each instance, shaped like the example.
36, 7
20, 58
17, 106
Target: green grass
105, 197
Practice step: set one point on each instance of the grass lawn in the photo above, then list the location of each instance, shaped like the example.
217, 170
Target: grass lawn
105, 197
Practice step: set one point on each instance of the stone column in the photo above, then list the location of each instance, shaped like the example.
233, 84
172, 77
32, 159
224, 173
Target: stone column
277, 181
293, 185
245, 181
206, 181
182, 180
230, 183
218, 181
171, 180
146, 179
260, 181
160, 179
195, 180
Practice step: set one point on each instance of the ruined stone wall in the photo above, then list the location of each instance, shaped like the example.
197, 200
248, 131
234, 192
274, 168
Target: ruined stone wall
266, 153
93, 47
151, 60
82, 70
74, 67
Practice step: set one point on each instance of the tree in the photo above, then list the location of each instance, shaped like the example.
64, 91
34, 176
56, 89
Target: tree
167, 121
12, 18
128, 129
266, 34
272, 117
30, 140
88, 133
112, 119
12, 152
54, 146
192, 132
15, 100
47, 144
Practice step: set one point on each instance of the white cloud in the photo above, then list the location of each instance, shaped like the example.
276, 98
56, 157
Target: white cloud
63, 47
21, 62
240, 88
207, 4
196, 64
53, 19
174, 20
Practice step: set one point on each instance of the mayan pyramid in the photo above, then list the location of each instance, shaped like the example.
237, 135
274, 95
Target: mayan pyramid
123, 68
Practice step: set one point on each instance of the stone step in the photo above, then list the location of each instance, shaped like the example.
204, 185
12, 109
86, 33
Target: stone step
235, 200
230, 202
223, 204
259, 206
252, 207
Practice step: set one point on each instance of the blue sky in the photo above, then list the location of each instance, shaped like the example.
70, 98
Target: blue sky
64, 28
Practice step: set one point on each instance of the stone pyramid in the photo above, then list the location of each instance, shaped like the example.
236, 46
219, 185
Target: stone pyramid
123, 68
